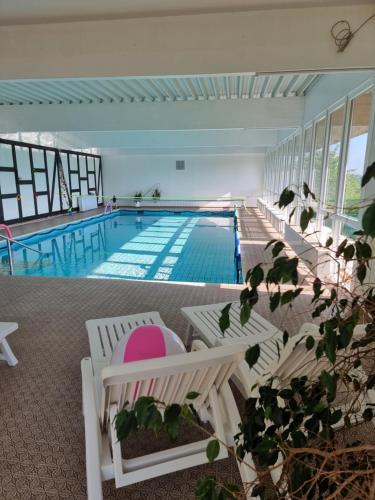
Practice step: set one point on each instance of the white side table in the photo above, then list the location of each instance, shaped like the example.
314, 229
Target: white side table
6, 353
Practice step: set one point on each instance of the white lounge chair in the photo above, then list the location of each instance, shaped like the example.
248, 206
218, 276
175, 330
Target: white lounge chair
106, 332
203, 321
6, 353
169, 379
293, 360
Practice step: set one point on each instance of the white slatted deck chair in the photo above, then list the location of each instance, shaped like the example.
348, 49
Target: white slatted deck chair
203, 321
169, 379
294, 360
104, 334
6, 353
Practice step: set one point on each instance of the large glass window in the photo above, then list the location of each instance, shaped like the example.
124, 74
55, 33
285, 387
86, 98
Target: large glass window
336, 126
294, 173
355, 161
306, 155
283, 175
320, 128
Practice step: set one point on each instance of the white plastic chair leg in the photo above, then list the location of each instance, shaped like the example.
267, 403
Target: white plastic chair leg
7, 353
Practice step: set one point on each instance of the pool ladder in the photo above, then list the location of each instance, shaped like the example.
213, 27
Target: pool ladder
9, 248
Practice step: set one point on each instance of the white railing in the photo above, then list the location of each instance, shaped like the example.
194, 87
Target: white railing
9, 242
175, 201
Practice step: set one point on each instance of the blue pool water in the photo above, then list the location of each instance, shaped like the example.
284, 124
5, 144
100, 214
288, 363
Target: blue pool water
167, 246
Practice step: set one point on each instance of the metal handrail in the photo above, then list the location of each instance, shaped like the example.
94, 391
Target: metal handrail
9, 248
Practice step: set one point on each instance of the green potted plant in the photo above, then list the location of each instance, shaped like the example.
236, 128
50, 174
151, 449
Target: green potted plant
156, 195
138, 198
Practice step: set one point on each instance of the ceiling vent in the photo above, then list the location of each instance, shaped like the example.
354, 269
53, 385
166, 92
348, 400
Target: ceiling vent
180, 165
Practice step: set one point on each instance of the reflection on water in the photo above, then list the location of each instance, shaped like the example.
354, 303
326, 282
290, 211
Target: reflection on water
171, 248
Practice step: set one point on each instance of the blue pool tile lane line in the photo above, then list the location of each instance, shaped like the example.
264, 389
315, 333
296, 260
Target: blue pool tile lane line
147, 245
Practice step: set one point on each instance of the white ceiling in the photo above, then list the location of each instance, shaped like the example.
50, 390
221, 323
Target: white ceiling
34, 11
155, 89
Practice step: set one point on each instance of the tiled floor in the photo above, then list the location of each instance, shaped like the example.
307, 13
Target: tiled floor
56, 220
41, 426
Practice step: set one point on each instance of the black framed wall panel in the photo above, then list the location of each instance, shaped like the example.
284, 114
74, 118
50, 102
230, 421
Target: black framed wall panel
30, 183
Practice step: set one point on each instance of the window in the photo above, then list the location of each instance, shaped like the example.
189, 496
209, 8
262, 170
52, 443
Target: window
317, 172
355, 160
294, 177
306, 155
336, 127
278, 172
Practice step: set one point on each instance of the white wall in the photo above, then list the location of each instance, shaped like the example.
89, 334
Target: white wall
204, 175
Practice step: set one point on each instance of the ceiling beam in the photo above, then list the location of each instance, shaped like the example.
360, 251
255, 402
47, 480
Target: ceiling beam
268, 113
179, 139
256, 41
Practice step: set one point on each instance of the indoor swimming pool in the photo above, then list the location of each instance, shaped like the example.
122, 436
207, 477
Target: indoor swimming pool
143, 245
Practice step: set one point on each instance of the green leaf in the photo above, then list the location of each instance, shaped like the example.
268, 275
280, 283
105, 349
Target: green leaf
285, 338
306, 216
286, 394
252, 355
368, 414
306, 190
268, 412
172, 412
286, 197
329, 242
257, 276
309, 342
144, 410
361, 273
286, 297
370, 383
335, 417
271, 242
330, 345
125, 423
368, 175
229, 491
212, 450
155, 422
277, 248
317, 289
244, 295
224, 320
345, 335
319, 407
349, 252
368, 221
245, 313
357, 363
341, 247
171, 420
258, 491
274, 300
329, 381
192, 395
366, 251
206, 488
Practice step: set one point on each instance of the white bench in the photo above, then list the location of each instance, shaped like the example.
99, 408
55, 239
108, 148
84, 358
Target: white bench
6, 353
